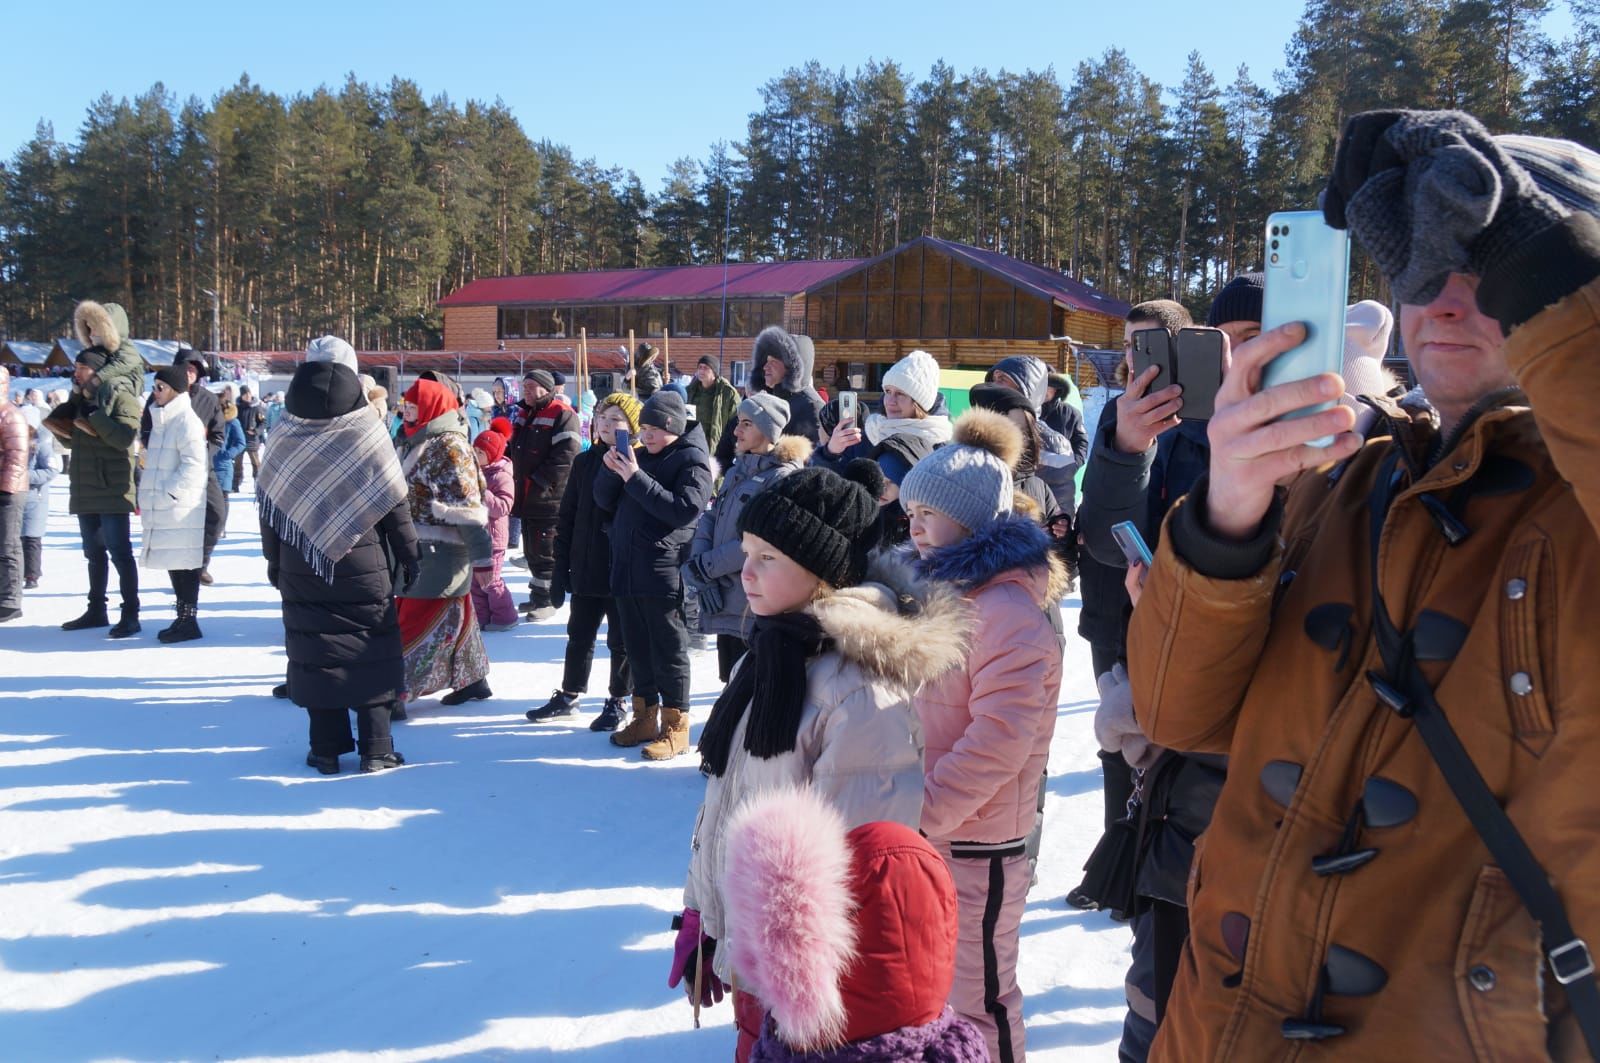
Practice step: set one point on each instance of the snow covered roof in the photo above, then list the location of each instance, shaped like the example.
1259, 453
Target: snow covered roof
24, 352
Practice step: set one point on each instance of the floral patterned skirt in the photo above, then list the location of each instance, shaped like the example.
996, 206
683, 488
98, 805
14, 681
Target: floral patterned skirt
443, 645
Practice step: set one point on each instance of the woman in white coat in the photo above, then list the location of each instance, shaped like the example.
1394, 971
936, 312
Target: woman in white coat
172, 498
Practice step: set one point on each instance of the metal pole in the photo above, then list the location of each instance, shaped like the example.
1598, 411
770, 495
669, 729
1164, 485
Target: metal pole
727, 249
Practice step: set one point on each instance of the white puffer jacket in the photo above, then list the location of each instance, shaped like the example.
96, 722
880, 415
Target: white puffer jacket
859, 745
172, 489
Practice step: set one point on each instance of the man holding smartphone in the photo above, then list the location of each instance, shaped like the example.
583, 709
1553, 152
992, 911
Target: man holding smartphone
1396, 632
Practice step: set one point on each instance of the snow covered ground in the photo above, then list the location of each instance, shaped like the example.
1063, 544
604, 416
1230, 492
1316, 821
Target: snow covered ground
176, 884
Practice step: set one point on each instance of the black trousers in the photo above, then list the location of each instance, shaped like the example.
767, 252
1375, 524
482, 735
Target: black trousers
12, 503
216, 514
105, 540
185, 585
32, 558
585, 611
658, 649
254, 451
539, 547
729, 649
330, 730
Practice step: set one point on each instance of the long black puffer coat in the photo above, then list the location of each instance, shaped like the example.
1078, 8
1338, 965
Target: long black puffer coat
653, 516
583, 531
342, 638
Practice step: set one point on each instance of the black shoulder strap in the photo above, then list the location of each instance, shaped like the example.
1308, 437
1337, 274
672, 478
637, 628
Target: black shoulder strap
1407, 691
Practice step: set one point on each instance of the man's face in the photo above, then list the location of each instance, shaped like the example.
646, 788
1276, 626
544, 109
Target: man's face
82, 374
704, 374
1458, 352
534, 392
773, 371
193, 369
1006, 380
747, 438
1239, 331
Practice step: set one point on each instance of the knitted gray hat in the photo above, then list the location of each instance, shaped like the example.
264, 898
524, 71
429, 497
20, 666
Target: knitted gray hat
969, 479
767, 412
665, 410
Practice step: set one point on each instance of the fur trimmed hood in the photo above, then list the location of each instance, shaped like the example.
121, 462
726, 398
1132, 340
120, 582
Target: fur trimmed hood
792, 450
775, 342
103, 325
847, 938
1012, 542
898, 628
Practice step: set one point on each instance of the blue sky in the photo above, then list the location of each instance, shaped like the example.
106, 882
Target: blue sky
630, 84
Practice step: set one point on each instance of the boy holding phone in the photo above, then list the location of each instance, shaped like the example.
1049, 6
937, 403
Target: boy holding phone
1445, 577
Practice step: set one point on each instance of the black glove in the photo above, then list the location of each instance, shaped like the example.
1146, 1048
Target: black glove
711, 597
409, 571
558, 589
1430, 193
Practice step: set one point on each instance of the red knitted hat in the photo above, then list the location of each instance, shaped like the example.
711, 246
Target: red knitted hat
493, 445
501, 425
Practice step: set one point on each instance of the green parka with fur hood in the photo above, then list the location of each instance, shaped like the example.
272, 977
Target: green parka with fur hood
100, 422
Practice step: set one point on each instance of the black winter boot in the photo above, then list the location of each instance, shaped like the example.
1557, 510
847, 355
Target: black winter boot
611, 716
128, 625
478, 691
560, 706
381, 762
326, 765
94, 616
184, 629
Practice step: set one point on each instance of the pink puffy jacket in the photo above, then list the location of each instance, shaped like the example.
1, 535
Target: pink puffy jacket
987, 727
16, 449
499, 492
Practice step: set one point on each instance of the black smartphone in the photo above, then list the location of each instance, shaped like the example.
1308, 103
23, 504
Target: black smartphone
1197, 362
1153, 346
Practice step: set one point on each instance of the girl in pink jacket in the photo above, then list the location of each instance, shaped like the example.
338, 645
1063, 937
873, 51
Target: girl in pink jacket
987, 727
491, 598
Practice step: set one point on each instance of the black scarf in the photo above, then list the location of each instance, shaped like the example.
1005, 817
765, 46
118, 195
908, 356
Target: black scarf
771, 682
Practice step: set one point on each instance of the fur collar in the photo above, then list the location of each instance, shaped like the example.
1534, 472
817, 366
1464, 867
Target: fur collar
1009, 543
899, 629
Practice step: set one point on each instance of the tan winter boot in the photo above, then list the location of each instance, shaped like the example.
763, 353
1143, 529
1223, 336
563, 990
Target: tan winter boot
674, 740
644, 727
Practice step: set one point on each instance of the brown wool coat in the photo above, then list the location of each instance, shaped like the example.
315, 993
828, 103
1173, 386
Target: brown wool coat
1231, 666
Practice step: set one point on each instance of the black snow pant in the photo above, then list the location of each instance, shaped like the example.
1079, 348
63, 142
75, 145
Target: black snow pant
254, 450
729, 649
216, 514
32, 558
106, 542
539, 547
12, 503
583, 627
658, 649
330, 730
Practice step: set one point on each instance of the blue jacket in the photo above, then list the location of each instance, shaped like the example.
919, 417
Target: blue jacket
232, 447
41, 470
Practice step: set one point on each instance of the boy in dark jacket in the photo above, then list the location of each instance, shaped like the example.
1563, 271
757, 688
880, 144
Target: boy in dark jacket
655, 498
545, 438
583, 570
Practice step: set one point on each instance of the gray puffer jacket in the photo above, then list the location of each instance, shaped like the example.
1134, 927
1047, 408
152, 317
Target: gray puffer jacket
859, 745
717, 544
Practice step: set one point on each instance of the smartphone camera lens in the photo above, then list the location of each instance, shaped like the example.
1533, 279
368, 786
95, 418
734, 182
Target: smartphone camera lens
1274, 230
1274, 260
1274, 245
1286, 230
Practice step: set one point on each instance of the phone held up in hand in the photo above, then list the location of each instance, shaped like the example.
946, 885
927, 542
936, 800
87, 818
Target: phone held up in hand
1192, 359
1308, 278
847, 406
1132, 544
622, 439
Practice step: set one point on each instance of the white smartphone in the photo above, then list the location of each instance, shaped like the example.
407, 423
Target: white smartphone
847, 406
1308, 270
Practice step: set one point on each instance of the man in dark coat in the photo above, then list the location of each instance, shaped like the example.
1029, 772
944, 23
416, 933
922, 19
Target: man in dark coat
206, 407
1061, 456
781, 364
251, 413
655, 496
545, 439
341, 634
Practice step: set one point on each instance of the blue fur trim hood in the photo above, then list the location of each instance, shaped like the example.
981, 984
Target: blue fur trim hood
1010, 542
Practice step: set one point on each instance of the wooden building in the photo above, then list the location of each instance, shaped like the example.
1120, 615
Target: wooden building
25, 358
966, 306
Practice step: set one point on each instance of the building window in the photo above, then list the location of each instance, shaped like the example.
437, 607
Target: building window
512, 324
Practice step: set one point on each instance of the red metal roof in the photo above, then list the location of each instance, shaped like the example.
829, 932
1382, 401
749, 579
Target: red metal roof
746, 280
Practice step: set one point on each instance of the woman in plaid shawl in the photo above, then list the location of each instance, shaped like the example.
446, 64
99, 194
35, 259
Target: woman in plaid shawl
333, 504
443, 644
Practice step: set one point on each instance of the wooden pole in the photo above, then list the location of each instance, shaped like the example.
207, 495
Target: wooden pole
583, 361
633, 377
666, 353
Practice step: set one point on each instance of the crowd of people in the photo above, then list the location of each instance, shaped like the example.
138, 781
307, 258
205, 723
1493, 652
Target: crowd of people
1344, 714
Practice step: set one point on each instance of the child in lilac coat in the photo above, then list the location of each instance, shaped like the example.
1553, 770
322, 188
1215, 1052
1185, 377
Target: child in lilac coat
491, 598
